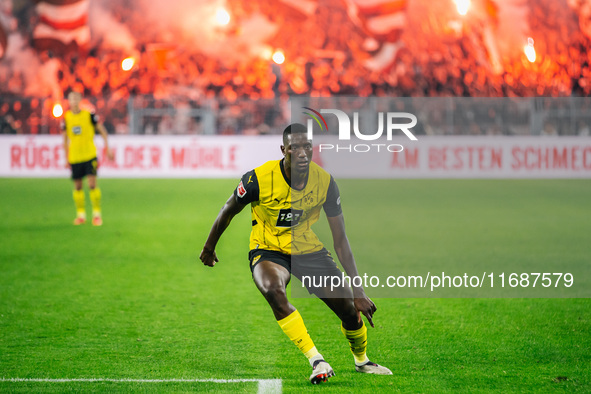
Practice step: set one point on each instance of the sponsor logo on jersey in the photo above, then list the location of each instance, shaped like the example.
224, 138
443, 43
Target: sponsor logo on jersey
254, 261
289, 217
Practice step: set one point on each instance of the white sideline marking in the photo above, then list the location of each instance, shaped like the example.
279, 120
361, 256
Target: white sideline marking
265, 386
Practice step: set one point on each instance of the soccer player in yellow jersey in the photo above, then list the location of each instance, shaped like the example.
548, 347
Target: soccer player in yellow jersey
79, 129
286, 197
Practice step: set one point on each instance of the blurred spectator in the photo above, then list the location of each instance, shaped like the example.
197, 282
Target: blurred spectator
549, 130
583, 128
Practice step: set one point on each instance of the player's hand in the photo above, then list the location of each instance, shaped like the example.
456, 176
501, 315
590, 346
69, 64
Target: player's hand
110, 154
208, 257
68, 166
367, 307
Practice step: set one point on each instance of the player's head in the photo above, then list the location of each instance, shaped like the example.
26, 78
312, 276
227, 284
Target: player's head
74, 99
297, 148
294, 128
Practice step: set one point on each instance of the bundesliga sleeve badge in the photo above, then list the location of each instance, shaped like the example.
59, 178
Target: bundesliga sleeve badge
241, 191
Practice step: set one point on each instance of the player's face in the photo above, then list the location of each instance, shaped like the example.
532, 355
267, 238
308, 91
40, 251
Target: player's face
74, 100
298, 152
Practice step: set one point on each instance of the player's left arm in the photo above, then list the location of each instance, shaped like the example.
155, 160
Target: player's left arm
66, 143
103, 132
342, 247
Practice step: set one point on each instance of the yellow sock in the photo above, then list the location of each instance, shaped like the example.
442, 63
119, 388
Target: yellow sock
95, 199
358, 341
293, 326
79, 202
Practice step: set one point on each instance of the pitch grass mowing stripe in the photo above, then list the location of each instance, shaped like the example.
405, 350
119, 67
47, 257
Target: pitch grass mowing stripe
265, 386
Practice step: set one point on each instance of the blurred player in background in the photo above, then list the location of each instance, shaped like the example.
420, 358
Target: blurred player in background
286, 198
79, 129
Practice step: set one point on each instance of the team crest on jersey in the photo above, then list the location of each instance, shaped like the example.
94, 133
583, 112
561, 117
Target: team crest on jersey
309, 198
241, 190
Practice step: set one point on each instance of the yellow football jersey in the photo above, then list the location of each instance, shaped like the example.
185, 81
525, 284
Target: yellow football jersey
80, 130
282, 217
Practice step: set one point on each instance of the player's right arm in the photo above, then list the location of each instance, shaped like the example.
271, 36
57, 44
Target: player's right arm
221, 223
246, 192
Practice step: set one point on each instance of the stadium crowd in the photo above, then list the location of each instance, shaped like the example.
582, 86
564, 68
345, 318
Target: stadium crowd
250, 96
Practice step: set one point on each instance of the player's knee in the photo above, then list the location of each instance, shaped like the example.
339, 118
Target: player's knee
277, 299
274, 292
276, 296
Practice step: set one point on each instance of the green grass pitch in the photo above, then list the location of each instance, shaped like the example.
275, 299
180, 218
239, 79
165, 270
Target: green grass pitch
130, 300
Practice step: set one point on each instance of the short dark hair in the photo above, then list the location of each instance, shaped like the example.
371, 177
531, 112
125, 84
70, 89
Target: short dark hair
294, 128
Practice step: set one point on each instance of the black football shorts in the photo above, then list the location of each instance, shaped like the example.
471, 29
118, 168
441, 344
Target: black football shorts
314, 270
80, 170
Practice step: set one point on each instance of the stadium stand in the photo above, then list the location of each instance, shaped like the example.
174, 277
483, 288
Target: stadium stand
179, 86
